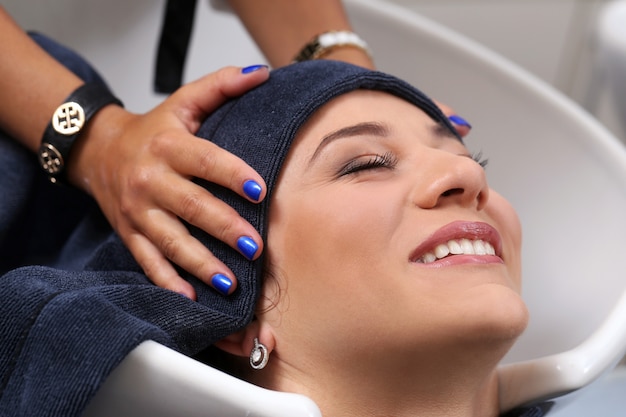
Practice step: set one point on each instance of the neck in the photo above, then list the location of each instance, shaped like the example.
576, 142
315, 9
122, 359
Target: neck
455, 387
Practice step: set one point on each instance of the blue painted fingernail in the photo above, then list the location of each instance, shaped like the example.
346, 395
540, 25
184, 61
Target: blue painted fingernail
247, 246
221, 283
252, 68
252, 189
456, 119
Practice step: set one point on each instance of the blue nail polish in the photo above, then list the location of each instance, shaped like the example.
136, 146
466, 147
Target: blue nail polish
247, 246
221, 283
252, 189
252, 68
459, 121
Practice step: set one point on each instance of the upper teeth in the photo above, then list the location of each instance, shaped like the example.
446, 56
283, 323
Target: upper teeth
458, 247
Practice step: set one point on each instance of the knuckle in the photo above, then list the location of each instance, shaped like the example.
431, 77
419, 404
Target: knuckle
191, 207
161, 142
140, 179
238, 176
127, 208
150, 268
170, 247
136, 184
227, 227
222, 75
208, 161
200, 268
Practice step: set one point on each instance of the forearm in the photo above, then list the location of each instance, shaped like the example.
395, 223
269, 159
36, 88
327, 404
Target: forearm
32, 84
282, 27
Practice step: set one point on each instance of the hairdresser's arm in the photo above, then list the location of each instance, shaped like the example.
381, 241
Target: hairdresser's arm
26, 72
134, 165
282, 27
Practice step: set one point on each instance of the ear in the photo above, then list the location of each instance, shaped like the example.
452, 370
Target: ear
242, 342
235, 343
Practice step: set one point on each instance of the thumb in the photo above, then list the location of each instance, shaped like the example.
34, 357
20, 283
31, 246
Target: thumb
194, 101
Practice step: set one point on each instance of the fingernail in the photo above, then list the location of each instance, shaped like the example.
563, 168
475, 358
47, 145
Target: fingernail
221, 283
247, 246
252, 68
252, 189
456, 119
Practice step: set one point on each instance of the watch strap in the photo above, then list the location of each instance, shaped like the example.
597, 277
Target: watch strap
324, 43
68, 121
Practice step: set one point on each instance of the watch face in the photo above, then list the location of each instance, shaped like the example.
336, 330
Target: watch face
68, 118
50, 159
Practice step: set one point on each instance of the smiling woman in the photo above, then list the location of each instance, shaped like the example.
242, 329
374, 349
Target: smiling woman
392, 272
389, 285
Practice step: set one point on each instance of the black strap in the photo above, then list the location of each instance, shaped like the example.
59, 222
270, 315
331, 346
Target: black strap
175, 35
68, 121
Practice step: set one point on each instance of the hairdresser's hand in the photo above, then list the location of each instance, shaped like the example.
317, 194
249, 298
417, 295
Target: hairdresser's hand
461, 125
138, 168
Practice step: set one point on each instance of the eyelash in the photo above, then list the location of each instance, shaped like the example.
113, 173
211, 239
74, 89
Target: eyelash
479, 159
388, 160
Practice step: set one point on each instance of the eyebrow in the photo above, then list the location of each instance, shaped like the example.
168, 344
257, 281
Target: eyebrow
372, 129
442, 131
360, 129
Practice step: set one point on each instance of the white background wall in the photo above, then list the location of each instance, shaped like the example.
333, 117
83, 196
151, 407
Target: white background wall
553, 39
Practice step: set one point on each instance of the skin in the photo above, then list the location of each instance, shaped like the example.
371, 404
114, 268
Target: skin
280, 42
138, 166
349, 318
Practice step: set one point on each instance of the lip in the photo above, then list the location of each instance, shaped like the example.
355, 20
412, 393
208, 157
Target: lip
460, 230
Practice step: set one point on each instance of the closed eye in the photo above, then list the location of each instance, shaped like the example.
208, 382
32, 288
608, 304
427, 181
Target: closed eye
387, 160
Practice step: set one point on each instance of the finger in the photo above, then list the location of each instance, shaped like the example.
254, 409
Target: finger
203, 159
201, 97
157, 268
175, 243
462, 126
200, 208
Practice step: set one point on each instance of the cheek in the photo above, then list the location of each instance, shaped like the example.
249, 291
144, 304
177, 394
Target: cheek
329, 235
329, 248
332, 263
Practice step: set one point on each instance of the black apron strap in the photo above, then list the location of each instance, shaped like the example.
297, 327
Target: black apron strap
175, 36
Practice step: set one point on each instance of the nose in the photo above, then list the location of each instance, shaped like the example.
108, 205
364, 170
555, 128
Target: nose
450, 179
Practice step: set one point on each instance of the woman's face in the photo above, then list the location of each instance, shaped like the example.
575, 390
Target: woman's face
383, 229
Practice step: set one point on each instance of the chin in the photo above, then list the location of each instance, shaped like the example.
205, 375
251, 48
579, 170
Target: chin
500, 319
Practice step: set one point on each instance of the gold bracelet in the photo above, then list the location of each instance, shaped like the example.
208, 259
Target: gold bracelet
326, 42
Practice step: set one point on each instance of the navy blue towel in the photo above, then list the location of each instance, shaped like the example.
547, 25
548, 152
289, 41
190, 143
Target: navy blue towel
65, 326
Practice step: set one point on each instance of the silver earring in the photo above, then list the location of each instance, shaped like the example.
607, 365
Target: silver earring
259, 355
